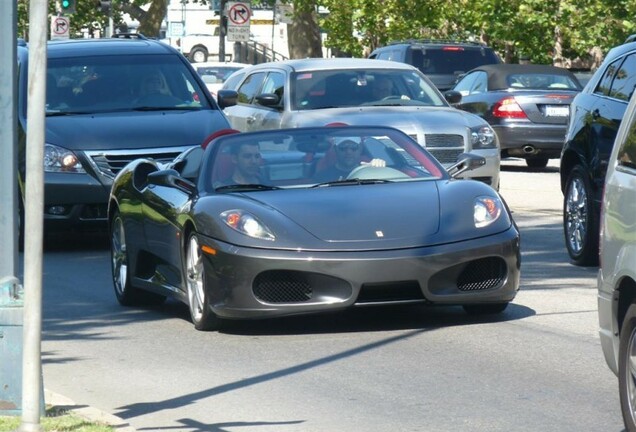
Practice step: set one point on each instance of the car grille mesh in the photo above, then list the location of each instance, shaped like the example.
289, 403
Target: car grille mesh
110, 163
282, 287
446, 148
482, 274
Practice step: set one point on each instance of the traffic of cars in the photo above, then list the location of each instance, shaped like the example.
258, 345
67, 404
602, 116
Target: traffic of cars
527, 105
214, 74
316, 92
253, 225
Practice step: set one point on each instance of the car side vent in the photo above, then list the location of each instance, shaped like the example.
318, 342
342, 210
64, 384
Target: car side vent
482, 274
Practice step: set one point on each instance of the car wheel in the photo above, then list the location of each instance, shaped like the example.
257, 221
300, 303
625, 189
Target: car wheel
579, 220
626, 370
202, 316
537, 162
126, 294
199, 55
485, 309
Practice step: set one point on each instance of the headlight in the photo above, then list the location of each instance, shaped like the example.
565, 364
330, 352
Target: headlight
58, 159
483, 137
486, 210
247, 224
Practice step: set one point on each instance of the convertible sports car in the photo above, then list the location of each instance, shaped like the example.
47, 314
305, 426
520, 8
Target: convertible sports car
398, 228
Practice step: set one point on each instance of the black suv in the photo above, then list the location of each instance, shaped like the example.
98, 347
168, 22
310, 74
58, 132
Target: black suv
595, 115
442, 61
109, 101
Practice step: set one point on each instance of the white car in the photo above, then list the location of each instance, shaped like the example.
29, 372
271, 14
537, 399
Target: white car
214, 74
317, 92
617, 272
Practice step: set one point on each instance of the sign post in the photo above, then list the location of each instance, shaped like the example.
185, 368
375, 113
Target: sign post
238, 21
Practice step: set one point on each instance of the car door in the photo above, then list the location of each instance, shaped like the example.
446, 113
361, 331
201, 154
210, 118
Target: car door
241, 114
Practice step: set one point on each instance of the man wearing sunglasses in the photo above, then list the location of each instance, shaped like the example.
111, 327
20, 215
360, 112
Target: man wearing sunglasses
349, 155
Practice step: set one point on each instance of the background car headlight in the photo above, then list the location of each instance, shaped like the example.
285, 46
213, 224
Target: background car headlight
483, 137
247, 224
58, 159
486, 210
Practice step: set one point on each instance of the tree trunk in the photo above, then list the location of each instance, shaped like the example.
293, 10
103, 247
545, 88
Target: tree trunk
150, 21
303, 35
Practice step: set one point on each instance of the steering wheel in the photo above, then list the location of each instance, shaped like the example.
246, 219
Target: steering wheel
391, 97
375, 173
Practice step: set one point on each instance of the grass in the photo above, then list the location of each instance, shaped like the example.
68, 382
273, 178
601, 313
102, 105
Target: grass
57, 420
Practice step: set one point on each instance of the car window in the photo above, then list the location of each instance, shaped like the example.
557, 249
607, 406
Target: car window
122, 82
625, 79
466, 83
390, 54
451, 59
605, 84
274, 83
627, 151
349, 88
233, 80
250, 87
541, 81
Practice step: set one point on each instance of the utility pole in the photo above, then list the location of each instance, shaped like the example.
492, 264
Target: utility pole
222, 30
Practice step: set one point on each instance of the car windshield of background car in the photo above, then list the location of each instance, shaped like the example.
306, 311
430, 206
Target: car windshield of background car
116, 83
292, 159
453, 59
352, 88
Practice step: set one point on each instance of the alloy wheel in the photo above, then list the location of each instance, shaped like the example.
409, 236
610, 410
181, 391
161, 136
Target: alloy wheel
630, 376
119, 256
576, 215
194, 275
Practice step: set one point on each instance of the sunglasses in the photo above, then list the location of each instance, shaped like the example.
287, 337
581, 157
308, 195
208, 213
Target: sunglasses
350, 147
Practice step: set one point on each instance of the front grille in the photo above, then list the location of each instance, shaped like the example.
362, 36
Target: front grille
446, 148
110, 162
282, 287
390, 292
482, 274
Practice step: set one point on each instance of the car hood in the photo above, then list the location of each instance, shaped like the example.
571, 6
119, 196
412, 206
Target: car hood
402, 117
358, 217
133, 130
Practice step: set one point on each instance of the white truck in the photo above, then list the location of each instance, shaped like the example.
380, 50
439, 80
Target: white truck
198, 47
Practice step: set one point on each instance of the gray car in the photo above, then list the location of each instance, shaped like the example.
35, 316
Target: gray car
317, 92
617, 274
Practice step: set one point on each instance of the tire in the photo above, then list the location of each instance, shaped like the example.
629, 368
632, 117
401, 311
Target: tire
202, 316
126, 293
580, 224
485, 309
199, 55
626, 373
537, 162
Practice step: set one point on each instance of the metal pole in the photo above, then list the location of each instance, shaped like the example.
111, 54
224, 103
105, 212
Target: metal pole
34, 210
222, 31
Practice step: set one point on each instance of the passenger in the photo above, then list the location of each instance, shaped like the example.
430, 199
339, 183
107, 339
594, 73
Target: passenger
154, 83
382, 88
246, 159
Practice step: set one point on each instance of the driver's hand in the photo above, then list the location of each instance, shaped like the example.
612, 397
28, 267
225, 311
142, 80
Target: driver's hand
377, 163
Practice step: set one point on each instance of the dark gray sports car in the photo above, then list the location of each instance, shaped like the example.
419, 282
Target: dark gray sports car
304, 220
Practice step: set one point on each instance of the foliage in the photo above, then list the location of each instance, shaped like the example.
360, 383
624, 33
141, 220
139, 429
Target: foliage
58, 420
546, 31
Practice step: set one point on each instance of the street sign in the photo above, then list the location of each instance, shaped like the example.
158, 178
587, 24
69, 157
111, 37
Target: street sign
176, 28
238, 21
60, 27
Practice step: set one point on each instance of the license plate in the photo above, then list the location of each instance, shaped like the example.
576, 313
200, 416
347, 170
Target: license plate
557, 111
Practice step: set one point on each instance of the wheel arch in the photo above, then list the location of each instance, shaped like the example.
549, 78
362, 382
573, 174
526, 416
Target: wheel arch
626, 296
569, 160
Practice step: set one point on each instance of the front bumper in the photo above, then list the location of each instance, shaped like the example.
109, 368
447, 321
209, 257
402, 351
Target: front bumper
257, 283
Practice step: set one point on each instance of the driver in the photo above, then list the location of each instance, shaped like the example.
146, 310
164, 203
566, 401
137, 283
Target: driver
153, 84
382, 88
348, 157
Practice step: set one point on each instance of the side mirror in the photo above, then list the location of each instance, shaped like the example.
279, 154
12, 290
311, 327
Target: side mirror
466, 162
171, 178
453, 96
226, 98
268, 99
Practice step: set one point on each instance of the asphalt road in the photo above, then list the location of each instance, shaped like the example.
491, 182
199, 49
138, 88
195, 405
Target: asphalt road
538, 367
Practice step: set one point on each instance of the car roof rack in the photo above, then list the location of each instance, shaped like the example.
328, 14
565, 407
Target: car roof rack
438, 41
129, 36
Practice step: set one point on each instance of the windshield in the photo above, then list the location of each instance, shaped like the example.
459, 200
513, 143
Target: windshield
315, 157
346, 88
121, 83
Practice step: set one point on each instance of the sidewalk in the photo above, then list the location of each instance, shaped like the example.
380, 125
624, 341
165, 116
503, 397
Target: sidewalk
89, 413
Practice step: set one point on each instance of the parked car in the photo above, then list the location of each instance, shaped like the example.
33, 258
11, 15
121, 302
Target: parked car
595, 116
442, 61
316, 92
292, 244
214, 74
617, 273
527, 105
109, 101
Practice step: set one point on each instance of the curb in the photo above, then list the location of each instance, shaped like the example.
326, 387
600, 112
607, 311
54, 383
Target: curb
87, 412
